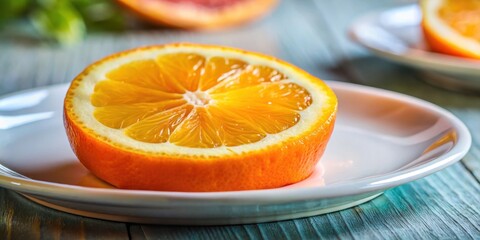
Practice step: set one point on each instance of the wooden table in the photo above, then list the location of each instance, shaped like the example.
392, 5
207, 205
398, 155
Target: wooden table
310, 34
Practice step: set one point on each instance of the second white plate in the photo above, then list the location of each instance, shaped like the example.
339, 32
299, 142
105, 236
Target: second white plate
381, 140
395, 34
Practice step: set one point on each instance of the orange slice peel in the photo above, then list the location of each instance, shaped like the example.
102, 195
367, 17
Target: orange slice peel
189, 117
452, 26
193, 14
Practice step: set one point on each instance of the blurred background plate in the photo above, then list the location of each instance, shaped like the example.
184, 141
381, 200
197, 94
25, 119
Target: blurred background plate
395, 34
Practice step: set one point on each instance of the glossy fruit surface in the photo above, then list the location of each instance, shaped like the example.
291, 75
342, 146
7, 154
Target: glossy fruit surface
189, 117
452, 26
199, 14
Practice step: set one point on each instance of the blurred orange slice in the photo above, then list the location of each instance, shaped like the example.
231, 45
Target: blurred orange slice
199, 14
187, 117
452, 26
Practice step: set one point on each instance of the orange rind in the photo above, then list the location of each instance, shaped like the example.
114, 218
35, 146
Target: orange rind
190, 117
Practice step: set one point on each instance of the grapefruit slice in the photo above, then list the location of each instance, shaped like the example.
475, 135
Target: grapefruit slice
188, 117
452, 26
199, 14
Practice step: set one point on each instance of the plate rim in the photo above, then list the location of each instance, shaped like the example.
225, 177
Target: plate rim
415, 57
122, 197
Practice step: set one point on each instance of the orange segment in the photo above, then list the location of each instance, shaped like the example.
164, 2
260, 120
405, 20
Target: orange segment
288, 95
271, 107
159, 127
186, 117
234, 129
251, 76
198, 130
144, 73
108, 93
182, 68
218, 69
266, 120
122, 116
463, 16
452, 27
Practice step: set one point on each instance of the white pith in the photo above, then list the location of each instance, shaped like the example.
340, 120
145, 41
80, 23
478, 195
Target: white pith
84, 109
443, 30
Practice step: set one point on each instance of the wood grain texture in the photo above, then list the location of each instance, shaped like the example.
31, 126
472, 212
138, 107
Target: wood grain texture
312, 35
23, 219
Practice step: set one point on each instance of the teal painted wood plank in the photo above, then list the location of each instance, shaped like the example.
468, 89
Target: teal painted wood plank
302, 43
471, 117
136, 231
23, 219
311, 35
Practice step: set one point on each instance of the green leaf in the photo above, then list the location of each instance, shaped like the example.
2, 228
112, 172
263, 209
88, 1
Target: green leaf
58, 21
10, 9
100, 15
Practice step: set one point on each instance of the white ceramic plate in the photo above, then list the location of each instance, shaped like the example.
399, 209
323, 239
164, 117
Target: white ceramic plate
395, 34
381, 140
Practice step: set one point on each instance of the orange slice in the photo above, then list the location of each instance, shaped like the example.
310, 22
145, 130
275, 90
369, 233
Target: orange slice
452, 26
187, 117
199, 14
